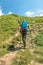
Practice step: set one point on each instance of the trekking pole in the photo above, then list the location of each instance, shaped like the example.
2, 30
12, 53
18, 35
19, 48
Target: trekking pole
31, 38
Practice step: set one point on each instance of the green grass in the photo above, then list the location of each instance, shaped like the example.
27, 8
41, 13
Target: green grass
9, 24
3, 51
38, 41
40, 60
22, 58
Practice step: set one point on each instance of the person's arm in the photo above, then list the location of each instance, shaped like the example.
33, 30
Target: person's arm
29, 28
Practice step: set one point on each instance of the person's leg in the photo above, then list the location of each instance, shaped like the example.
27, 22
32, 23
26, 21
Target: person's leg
24, 40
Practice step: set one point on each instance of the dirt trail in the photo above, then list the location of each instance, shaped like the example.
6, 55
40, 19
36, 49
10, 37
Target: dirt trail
35, 63
7, 59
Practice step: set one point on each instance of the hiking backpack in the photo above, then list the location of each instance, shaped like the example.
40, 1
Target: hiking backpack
24, 26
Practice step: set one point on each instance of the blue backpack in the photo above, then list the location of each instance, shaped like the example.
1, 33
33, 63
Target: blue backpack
24, 26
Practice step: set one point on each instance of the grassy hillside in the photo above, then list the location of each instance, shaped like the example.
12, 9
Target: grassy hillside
9, 24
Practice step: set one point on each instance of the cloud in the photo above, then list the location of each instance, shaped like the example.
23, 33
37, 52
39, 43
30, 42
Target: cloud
29, 13
38, 12
1, 13
41, 14
10, 13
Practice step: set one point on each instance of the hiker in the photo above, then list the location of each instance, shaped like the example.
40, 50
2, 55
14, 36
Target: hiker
24, 29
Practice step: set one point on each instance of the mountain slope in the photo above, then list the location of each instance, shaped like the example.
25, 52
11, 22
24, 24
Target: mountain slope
9, 25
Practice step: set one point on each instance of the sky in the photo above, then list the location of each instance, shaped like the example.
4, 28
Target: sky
21, 7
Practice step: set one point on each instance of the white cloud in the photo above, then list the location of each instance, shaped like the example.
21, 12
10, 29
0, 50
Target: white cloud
29, 13
41, 15
1, 13
10, 13
38, 12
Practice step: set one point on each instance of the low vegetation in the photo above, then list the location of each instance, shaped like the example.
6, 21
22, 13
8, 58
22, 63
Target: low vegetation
9, 24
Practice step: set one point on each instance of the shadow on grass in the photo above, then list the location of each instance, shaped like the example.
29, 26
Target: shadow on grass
11, 48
